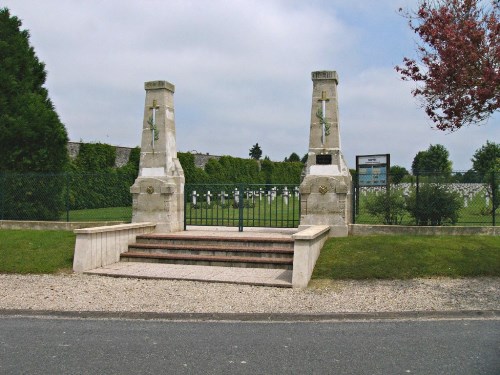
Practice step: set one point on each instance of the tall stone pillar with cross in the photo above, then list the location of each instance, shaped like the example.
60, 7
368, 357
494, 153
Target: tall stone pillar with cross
327, 185
158, 191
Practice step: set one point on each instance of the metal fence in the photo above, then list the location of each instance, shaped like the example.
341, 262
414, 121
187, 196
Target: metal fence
430, 199
66, 196
242, 205
425, 199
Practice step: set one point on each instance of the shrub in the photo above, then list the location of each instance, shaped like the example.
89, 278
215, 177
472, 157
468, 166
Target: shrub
389, 207
434, 205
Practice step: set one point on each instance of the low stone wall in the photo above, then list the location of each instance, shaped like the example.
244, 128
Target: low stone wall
101, 246
366, 230
307, 246
53, 225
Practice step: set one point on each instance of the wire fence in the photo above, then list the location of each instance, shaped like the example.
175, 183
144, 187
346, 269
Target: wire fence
430, 199
66, 196
425, 199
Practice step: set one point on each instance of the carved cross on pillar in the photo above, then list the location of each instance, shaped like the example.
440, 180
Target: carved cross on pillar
321, 114
152, 123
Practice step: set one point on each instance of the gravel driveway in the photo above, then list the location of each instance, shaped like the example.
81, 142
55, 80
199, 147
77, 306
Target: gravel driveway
78, 292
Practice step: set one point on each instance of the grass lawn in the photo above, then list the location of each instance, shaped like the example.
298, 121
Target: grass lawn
36, 251
405, 257
369, 257
100, 214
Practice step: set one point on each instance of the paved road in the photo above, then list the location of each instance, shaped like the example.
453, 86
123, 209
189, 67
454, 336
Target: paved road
92, 346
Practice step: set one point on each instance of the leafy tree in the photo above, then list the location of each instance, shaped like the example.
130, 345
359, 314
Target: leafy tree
458, 68
486, 162
293, 158
304, 158
435, 160
32, 138
487, 158
255, 152
397, 174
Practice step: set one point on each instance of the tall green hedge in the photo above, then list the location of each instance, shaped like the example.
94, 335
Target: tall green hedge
94, 182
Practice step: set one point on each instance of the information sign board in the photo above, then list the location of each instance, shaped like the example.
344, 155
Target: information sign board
373, 170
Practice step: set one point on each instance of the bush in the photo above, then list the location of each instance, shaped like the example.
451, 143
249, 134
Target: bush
435, 205
389, 207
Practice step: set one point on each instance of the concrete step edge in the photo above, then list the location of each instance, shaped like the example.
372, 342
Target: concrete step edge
208, 258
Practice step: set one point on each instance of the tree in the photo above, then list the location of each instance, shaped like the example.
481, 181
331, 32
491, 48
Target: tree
458, 68
487, 158
293, 158
32, 138
486, 162
397, 174
255, 152
435, 160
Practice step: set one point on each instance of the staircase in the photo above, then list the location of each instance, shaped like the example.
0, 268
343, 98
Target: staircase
227, 251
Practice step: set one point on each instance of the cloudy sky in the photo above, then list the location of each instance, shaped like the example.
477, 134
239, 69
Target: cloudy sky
242, 72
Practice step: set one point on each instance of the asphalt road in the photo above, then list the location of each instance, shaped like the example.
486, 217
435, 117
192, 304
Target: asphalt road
113, 346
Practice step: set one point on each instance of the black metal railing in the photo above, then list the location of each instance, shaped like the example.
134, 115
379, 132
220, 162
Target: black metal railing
242, 205
430, 199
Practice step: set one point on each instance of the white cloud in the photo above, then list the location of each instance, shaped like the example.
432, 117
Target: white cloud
241, 70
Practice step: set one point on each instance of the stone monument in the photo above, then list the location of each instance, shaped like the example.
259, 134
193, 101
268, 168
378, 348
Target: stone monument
327, 184
158, 191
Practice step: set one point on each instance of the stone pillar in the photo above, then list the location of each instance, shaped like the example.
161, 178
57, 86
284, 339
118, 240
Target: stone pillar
327, 184
158, 191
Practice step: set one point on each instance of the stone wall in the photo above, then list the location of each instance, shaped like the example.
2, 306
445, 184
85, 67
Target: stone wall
123, 154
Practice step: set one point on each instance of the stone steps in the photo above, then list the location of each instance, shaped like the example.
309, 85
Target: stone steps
244, 252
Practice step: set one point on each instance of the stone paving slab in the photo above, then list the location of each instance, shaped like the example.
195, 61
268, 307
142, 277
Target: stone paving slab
234, 275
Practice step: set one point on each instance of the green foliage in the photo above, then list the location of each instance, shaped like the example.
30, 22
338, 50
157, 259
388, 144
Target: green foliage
293, 158
191, 173
29, 196
389, 207
434, 205
407, 257
487, 158
255, 152
32, 138
95, 157
434, 160
94, 182
397, 174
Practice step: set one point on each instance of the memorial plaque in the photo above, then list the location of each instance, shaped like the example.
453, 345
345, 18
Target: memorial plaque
324, 159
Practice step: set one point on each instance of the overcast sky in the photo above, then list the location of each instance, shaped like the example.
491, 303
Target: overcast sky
242, 73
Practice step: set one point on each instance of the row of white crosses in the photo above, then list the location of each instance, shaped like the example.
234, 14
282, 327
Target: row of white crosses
250, 195
468, 191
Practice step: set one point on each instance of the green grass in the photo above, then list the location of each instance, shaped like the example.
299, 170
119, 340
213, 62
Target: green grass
100, 214
261, 213
369, 257
476, 213
405, 257
33, 251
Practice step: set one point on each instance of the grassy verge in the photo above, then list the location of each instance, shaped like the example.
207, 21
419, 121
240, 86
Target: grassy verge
405, 257
33, 251
100, 214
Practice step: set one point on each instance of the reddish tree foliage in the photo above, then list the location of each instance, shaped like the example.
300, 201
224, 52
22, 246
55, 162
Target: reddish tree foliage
458, 72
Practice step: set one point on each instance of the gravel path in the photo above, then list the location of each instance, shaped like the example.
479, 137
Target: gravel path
77, 292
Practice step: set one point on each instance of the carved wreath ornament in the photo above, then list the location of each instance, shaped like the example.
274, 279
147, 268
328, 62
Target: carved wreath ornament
150, 190
323, 189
